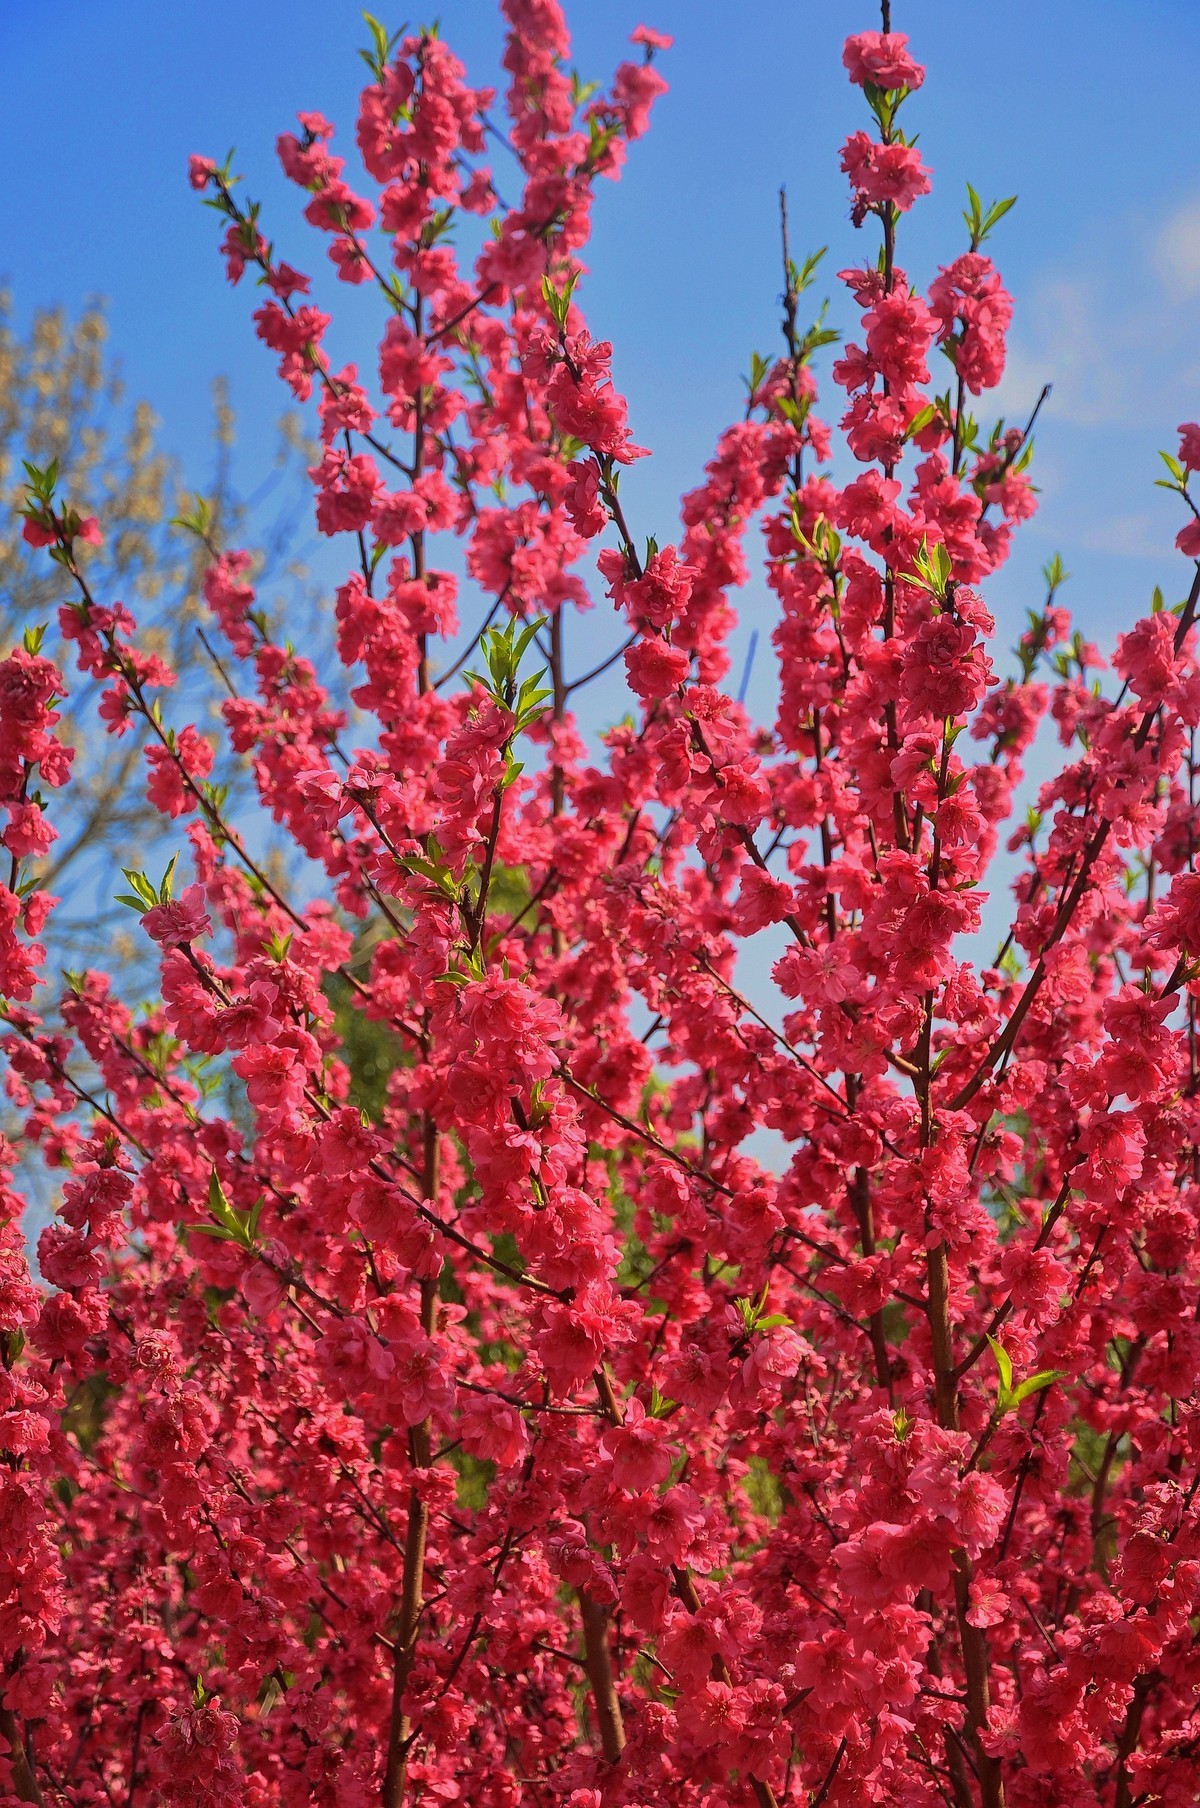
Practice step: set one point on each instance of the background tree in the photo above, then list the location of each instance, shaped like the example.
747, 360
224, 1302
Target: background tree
62, 401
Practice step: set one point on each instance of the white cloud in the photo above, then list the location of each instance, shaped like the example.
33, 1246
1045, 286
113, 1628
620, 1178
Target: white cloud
1134, 536
1177, 252
1113, 332
1066, 336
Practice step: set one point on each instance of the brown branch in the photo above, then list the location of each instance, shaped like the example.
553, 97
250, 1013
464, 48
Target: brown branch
598, 1662
412, 1586
25, 1783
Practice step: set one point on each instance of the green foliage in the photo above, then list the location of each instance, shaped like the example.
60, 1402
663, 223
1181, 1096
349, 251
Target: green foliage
503, 650
980, 220
1178, 478
1055, 574
475, 1476
509, 892
229, 1224
195, 518
559, 300
763, 1490
923, 418
434, 868
143, 895
896, 1327
932, 569
42, 480
824, 544
83, 1418
1011, 1393
755, 1316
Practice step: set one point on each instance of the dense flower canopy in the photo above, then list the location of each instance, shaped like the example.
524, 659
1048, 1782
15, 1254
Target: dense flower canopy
524, 1439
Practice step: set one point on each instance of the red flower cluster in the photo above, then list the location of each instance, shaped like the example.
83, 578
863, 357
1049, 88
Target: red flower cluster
528, 1437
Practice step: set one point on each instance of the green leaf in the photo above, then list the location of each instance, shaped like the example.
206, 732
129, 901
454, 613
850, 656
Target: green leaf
42, 480
231, 1225
438, 875
454, 977
980, 221
883, 103
932, 569
996, 213
1055, 573
816, 337
558, 301
759, 368
1177, 472
827, 542
807, 270
748, 1310
1003, 1363
198, 521
271, 1691
600, 137
921, 420
379, 36
794, 412
142, 886
523, 639
218, 1204
1035, 1383
582, 91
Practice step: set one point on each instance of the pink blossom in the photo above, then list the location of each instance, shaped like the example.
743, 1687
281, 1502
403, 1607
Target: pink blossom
655, 668
352, 1358
494, 1431
180, 920
1189, 445
641, 1458
881, 59
881, 173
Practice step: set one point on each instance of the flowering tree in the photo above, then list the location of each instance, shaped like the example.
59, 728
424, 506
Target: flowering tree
526, 1441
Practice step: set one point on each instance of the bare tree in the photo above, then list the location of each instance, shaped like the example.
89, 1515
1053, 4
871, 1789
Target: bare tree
62, 397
